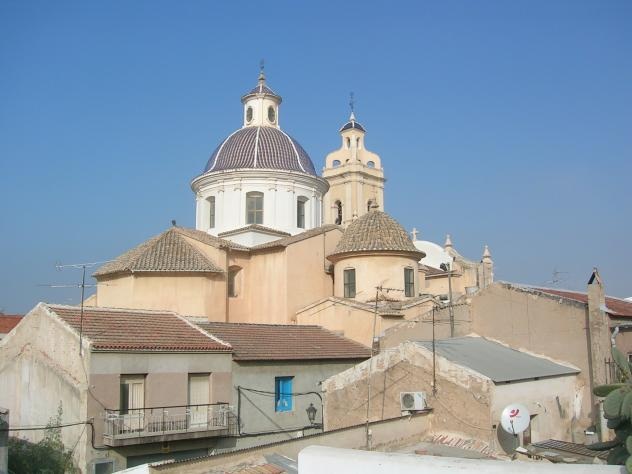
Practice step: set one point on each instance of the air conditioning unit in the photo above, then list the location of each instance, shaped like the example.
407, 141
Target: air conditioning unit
412, 401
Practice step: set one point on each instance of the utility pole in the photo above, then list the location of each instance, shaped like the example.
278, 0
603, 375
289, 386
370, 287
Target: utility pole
369, 442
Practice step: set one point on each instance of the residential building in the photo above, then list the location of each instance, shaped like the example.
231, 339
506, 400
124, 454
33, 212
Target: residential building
140, 385
467, 382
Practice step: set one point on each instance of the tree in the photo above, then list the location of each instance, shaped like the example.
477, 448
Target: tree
49, 456
617, 409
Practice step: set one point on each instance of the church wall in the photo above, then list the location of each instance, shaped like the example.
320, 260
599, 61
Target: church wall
373, 270
539, 324
186, 294
306, 277
239, 306
264, 290
280, 190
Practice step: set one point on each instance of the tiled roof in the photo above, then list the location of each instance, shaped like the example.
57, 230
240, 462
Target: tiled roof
131, 330
376, 231
297, 238
284, 342
258, 227
167, 252
431, 271
352, 124
261, 88
260, 148
616, 306
8, 322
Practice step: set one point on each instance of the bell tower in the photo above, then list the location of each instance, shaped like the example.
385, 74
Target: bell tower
355, 176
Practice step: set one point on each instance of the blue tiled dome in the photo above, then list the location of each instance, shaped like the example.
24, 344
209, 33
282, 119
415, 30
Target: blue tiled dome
262, 88
260, 148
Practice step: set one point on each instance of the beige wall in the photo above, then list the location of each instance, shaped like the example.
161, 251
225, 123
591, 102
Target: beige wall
186, 294
37, 376
373, 270
355, 320
542, 324
461, 406
466, 404
552, 404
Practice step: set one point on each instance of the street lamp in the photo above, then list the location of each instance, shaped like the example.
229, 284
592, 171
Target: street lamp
311, 413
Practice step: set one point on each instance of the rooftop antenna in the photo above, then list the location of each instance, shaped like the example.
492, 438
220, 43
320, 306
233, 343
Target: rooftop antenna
557, 277
83, 286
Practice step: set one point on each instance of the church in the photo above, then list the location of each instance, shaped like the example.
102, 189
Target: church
277, 243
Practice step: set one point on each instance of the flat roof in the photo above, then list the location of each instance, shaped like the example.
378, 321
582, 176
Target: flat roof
500, 363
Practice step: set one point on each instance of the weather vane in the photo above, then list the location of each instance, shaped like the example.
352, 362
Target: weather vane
261, 66
351, 102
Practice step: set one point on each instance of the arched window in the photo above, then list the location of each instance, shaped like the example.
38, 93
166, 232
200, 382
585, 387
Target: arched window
338, 208
358, 143
409, 282
349, 282
370, 164
348, 142
336, 163
211, 212
300, 212
254, 207
233, 281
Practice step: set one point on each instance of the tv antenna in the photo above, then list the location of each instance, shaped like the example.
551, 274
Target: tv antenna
557, 277
81, 285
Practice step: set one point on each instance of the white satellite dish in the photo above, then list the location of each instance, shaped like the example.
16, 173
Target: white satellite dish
515, 418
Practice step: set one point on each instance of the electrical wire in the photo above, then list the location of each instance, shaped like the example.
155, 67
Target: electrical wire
40, 428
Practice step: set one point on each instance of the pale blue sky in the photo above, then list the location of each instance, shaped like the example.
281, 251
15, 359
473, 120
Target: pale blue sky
503, 123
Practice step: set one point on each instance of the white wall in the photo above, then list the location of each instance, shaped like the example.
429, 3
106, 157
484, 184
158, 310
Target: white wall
281, 190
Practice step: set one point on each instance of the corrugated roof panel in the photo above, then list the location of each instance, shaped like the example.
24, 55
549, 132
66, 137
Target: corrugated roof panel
495, 361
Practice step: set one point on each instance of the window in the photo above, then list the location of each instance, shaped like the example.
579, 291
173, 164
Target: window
271, 114
369, 204
103, 466
300, 212
283, 393
132, 401
338, 207
370, 164
254, 208
349, 283
249, 114
211, 212
348, 142
233, 289
336, 163
409, 282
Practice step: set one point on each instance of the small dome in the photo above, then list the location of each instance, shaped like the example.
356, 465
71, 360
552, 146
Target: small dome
352, 124
376, 231
260, 148
261, 88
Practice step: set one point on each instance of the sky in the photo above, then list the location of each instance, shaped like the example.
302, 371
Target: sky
502, 123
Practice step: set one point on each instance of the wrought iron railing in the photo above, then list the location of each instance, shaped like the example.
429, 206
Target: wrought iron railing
156, 421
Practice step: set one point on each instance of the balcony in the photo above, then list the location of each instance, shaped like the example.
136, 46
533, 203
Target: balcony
158, 424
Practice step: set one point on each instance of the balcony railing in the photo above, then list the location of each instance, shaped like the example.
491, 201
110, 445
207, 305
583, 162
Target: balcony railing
162, 422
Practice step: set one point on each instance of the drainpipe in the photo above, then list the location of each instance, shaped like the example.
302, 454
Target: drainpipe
613, 337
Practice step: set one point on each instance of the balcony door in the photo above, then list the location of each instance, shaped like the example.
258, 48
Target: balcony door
133, 402
199, 394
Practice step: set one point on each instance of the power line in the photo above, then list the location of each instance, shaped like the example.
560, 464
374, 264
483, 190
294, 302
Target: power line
48, 427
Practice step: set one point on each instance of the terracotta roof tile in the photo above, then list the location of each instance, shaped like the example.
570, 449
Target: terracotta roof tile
618, 307
298, 237
376, 231
284, 342
132, 330
167, 252
8, 322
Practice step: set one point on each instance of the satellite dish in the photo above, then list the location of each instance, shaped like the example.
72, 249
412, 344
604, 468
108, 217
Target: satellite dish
515, 418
